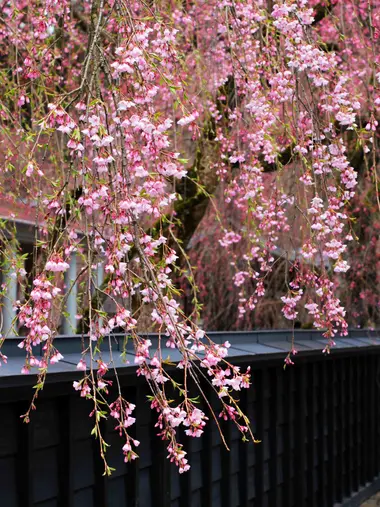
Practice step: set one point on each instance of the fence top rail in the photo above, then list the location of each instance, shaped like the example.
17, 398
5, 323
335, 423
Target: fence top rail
245, 346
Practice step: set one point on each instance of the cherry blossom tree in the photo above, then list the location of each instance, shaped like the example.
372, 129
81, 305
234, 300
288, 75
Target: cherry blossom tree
172, 141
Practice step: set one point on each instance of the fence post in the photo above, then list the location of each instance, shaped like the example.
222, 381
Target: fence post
69, 321
8, 311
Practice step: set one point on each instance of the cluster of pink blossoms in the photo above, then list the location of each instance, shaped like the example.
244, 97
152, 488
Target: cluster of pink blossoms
57, 265
36, 317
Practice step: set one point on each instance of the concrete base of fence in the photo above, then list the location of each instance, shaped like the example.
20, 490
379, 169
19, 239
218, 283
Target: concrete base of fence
357, 499
374, 501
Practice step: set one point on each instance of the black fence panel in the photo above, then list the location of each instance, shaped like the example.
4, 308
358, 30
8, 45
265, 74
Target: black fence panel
318, 423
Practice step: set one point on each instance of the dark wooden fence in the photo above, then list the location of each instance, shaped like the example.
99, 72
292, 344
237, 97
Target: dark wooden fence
318, 422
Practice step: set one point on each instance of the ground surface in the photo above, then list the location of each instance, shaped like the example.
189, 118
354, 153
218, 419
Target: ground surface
372, 502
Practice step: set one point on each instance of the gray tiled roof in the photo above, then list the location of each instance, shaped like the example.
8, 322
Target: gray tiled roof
250, 344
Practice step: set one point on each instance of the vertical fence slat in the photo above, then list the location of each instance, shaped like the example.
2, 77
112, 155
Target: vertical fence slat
357, 410
243, 457
24, 464
185, 479
226, 466
368, 416
331, 432
100, 480
377, 415
350, 422
206, 462
322, 424
131, 478
206, 493
301, 437
374, 420
273, 436
160, 470
339, 430
288, 407
311, 429
65, 464
363, 416
259, 462
345, 409
357, 434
